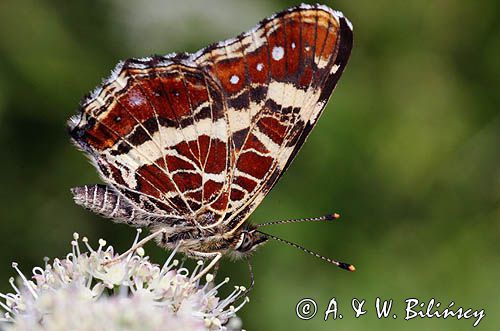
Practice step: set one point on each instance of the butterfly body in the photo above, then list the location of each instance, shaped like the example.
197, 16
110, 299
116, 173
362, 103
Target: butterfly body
185, 235
190, 144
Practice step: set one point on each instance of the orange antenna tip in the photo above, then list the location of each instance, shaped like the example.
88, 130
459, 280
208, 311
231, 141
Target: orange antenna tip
347, 266
332, 217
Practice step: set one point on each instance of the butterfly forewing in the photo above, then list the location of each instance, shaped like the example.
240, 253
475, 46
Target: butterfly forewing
203, 137
276, 79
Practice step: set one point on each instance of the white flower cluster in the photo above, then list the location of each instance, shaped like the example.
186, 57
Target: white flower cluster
82, 292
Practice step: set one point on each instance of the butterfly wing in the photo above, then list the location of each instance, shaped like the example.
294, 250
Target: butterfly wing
152, 130
276, 80
206, 136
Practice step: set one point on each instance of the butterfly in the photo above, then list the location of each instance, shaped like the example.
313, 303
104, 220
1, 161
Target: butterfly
190, 144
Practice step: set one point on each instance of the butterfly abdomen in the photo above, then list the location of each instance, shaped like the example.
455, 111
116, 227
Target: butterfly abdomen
104, 201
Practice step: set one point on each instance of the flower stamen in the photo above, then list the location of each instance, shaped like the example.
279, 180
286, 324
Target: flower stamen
83, 287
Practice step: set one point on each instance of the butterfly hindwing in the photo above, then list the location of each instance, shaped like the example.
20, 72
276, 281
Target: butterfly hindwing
154, 132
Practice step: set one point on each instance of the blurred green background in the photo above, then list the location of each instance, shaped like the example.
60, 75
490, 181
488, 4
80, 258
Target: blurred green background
407, 151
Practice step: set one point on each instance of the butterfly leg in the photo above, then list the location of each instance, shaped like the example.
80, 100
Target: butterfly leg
215, 269
244, 293
252, 278
215, 258
252, 282
136, 246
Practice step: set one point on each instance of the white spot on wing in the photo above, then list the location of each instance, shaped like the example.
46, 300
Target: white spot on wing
234, 79
293, 45
260, 66
321, 63
278, 53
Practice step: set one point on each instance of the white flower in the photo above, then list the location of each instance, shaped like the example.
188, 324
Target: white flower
81, 293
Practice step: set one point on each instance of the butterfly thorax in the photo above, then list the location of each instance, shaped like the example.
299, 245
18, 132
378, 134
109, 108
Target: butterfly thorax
202, 243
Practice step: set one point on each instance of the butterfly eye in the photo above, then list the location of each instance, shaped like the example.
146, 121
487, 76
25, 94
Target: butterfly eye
245, 242
248, 242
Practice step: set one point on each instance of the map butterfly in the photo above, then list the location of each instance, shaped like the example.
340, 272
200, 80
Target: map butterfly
190, 144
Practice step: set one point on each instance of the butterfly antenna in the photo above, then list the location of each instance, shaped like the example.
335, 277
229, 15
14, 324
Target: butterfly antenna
329, 217
342, 265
